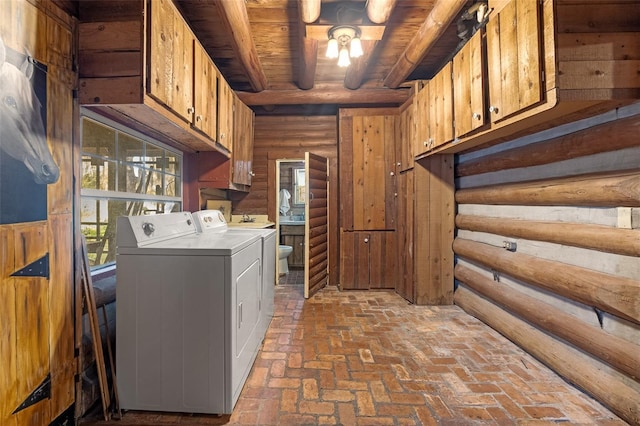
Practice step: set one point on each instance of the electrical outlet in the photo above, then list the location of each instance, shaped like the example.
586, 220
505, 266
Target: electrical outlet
510, 245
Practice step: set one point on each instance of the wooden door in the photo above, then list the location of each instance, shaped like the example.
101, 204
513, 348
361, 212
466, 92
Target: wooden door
441, 108
170, 59
242, 144
225, 114
514, 58
382, 259
367, 171
316, 247
205, 93
468, 87
354, 260
421, 118
405, 285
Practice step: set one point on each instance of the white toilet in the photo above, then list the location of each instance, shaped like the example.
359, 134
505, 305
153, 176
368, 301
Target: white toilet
283, 253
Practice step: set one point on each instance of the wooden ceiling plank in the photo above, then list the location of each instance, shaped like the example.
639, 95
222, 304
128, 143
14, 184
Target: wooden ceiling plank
309, 10
355, 73
236, 21
379, 11
323, 95
442, 14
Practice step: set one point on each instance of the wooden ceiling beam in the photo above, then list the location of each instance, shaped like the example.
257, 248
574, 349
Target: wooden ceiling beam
236, 21
308, 56
356, 71
441, 16
379, 11
309, 10
325, 95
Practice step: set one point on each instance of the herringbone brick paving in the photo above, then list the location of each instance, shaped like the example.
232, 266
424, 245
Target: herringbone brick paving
370, 358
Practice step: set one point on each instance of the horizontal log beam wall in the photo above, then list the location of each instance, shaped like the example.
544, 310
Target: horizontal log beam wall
549, 194
613, 389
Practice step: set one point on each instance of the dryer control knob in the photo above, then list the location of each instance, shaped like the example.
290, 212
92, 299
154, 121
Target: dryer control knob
148, 228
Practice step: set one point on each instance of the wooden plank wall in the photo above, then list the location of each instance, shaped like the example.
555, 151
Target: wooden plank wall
548, 250
37, 313
289, 137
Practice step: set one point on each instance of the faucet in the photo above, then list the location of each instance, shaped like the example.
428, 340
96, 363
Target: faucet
246, 218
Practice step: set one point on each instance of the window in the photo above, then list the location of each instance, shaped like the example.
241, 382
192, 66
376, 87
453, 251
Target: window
123, 173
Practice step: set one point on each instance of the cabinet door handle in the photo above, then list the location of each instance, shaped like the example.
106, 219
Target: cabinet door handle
251, 173
476, 116
493, 109
190, 110
366, 240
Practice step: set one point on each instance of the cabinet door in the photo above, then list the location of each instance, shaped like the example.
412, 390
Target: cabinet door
406, 130
367, 172
170, 59
468, 87
514, 58
441, 108
296, 258
225, 114
421, 118
206, 102
354, 260
242, 154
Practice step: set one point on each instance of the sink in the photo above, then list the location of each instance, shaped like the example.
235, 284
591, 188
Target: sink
292, 220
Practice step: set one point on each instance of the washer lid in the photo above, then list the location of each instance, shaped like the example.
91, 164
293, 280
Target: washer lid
215, 244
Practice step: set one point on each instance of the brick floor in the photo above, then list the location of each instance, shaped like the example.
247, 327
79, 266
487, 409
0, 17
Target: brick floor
370, 358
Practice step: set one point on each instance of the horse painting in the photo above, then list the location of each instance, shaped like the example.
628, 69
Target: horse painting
26, 164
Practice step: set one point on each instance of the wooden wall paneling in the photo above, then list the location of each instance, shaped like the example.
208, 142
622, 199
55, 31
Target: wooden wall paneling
281, 137
390, 172
434, 230
374, 188
405, 286
359, 150
612, 388
347, 178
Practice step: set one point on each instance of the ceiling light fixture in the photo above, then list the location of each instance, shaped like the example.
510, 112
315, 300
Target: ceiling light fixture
344, 43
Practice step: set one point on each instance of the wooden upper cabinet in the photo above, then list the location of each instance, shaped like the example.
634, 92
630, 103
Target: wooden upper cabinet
469, 84
170, 56
206, 96
441, 108
225, 115
514, 58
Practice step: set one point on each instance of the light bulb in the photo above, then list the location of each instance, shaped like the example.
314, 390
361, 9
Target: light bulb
332, 48
343, 59
356, 48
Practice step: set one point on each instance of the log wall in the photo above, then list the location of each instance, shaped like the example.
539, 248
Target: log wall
548, 251
289, 137
37, 292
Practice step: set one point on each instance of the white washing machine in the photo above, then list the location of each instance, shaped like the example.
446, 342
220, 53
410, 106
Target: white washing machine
188, 314
208, 221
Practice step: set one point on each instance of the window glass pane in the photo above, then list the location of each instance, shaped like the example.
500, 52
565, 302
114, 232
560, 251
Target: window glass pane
98, 173
98, 140
173, 185
130, 149
154, 186
173, 163
132, 179
98, 219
